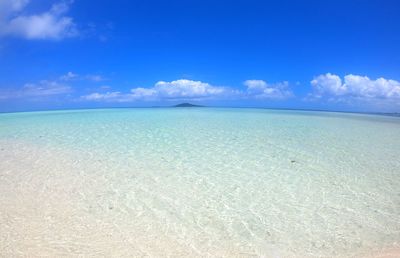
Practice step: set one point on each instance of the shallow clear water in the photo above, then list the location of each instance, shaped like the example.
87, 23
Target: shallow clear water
199, 182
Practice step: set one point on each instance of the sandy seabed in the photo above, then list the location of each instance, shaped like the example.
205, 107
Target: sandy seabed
44, 213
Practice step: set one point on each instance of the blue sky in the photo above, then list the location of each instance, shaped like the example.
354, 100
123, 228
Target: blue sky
334, 55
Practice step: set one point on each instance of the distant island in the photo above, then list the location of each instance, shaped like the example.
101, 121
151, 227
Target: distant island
187, 105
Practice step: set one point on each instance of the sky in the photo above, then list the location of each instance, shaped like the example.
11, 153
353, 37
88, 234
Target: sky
326, 55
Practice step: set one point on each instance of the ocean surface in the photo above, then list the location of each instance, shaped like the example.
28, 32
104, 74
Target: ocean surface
199, 182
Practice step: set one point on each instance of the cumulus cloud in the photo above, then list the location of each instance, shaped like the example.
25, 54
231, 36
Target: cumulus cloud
188, 89
43, 88
260, 89
174, 90
355, 86
51, 24
327, 84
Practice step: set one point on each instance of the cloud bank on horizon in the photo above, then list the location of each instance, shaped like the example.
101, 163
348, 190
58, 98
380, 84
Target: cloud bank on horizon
325, 87
352, 89
184, 89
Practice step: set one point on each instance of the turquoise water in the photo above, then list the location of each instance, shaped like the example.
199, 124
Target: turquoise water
199, 182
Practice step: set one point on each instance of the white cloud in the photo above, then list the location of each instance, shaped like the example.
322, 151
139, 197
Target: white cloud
8, 7
260, 89
52, 24
143, 93
116, 96
68, 76
33, 90
327, 84
196, 90
355, 86
56, 87
45, 88
365, 87
188, 89
108, 96
179, 89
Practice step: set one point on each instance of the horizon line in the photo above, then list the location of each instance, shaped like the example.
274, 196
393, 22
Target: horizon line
391, 114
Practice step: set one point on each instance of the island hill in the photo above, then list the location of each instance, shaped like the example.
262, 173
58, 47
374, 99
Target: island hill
187, 105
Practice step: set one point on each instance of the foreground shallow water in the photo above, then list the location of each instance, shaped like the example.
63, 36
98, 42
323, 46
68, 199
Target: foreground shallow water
199, 182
